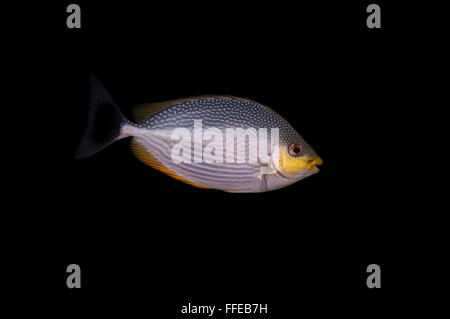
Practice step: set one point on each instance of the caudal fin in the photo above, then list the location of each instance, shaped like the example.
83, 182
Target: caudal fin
103, 123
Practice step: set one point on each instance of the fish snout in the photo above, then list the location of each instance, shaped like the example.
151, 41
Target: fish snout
314, 161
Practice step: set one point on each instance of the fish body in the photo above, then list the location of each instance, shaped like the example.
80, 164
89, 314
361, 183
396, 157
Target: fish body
219, 142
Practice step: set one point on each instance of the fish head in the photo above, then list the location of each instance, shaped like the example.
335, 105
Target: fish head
294, 160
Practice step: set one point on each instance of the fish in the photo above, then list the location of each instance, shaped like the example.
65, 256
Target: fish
219, 142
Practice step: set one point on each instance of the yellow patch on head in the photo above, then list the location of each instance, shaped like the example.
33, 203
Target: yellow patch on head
293, 165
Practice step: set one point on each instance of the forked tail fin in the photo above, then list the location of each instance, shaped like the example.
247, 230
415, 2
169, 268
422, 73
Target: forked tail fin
104, 121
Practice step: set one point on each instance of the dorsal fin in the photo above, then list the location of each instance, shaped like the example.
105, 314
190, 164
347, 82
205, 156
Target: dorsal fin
146, 157
143, 112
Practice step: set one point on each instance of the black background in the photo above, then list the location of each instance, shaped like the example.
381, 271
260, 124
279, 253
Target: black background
148, 244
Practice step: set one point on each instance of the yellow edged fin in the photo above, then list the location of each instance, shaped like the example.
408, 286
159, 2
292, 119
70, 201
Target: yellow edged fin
144, 156
145, 111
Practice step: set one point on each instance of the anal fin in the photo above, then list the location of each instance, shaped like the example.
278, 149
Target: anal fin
147, 158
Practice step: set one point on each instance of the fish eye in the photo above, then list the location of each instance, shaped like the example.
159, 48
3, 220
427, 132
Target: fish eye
295, 150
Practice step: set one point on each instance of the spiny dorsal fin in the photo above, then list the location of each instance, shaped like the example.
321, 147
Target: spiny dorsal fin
143, 112
146, 157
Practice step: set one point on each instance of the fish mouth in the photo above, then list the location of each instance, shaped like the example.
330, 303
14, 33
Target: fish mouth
309, 169
314, 162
